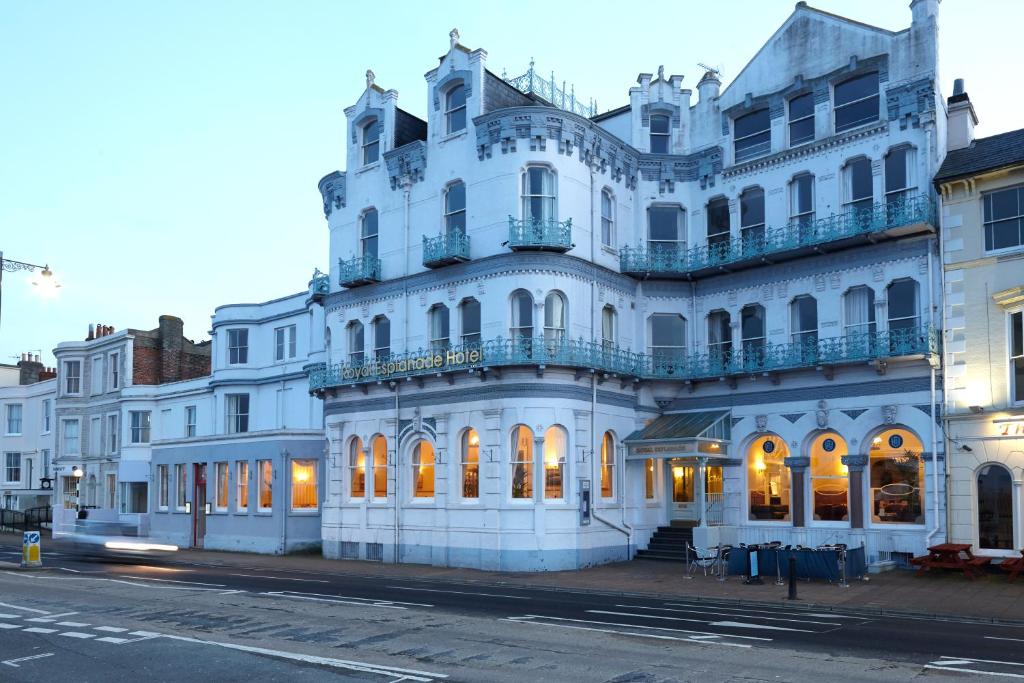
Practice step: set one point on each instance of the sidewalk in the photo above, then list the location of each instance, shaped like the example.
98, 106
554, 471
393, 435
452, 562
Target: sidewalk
945, 594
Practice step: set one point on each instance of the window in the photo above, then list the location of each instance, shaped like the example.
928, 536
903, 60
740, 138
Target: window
181, 487
649, 479
95, 436
803, 312
111, 491
607, 465
554, 318
355, 343
752, 329
47, 415
266, 473
556, 445
284, 342
768, 479
470, 464
608, 328
1004, 219
371, 141
381, 338
114, 361
660, 135
522, 462
357, 468
455, 108
801, 119
440, 337
752, 219
380, 466
96, 376
539, 195
859, 308
902, 297
242, 486
859, 190
1017, 357
856, 101
423, 470
238, 346
368, 234
112, 432
607, 218
134, 497
162, 487
897, 478
141, 420
72, 376
801, 201
522, 315
718, 227
304, 495
12, 468
72, 438
666, 230
995, 508
752, 135
237, 409
668, 337
469, 311
830, 485
899, 168
455, 209
45, 456
190, 421
221, 484
13, 419
719, 335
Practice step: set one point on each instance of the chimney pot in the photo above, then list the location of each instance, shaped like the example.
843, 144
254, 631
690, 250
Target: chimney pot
92, 333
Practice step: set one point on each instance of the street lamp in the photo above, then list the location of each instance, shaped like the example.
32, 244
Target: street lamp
11, 266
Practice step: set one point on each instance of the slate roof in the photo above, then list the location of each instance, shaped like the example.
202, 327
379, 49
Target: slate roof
984, 154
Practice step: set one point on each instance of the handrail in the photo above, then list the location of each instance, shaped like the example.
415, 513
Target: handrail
542, 233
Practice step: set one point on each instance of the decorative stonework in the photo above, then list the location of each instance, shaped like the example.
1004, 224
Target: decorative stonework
792, 417
907, 101
797, 463
821, 415
889, 414
408, 162
854, 462
762, 423
332, 189
854, 413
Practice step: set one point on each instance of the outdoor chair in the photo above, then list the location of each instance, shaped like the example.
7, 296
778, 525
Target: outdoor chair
706, 560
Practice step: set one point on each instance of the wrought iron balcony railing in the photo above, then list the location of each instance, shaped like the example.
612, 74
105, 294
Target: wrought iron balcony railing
540, 235
357, 271
319, 284
880, 218
444, 249
605, 358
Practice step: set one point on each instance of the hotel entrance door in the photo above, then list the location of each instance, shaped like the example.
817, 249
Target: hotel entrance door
199, 505
685, 493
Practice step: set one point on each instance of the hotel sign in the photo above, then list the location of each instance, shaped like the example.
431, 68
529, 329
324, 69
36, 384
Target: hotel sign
1011, 428
440, 360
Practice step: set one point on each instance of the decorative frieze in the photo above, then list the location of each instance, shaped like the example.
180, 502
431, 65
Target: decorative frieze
332, 189
408, 162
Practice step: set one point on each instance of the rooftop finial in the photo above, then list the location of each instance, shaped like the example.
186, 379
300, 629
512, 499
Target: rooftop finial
369, 78
661, 72
453, 36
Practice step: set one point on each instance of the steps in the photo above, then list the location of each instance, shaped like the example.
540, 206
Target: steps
668, 543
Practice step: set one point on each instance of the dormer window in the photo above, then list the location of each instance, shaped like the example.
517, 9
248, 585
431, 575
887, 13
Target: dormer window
801, 119
455, 108
659, 134
752, 135
856, 101
371, 141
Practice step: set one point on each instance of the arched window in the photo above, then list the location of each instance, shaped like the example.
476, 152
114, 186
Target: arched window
423, 470
355, 343
995, 508
801, 202
368, 233
469, 312
752, 219
455, 108
830, 482
719, 234
539, 195
554, 317
608, 327
556, 444
856, 101
752, 328
522, 315
897, 478
608, 465
859, 310
666, 231
660, 135
801, 119
455, 209
470, 464
720, 335
440, 337
752, 136
381, 338
371, 141
522, 462
768, 480
357, 468
607, 218
899, 173
668, 337
380, 466
803, 315
859, 193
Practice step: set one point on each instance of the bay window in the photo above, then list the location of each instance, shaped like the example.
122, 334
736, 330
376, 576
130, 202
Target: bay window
539, 195
556, 444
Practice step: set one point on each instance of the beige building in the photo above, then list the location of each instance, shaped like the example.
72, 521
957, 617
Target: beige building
981, 184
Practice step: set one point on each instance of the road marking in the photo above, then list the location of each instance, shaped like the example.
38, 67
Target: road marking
12, 662
436, 590
10, 616
111, 639
702, 640
728, 624
9, 626
65, 569
194, 583
953, 662
77, 634
43, 620
72, 624
346, 600
36, 629
748, 610
726, 614
145, 634
110, 629
983, 661
653, 628
281, 578
973, 671
27, 609
1016, 640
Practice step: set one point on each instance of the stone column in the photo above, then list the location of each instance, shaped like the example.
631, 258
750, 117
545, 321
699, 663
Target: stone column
798, 468
702, 498
856, 464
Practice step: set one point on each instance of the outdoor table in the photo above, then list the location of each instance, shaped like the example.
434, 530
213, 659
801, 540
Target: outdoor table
1014, 565
956, 556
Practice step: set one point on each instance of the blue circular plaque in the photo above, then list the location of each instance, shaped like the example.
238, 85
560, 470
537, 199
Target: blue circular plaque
829, 445
769, 446
895, 441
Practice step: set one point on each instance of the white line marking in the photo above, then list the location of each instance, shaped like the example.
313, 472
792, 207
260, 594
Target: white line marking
952, 662
657, 636
72, 624
985, 661
65, 569
347, 599
1016, 640
11, 662
111, 639
653, 628
436, 590
36, 629
281, 578
10, 616
752, 616
9, 626
27, 609
753, 610
973, 671
42, 620
145, 634
110, 629
78, 634
740, 624
727, 624
194, 583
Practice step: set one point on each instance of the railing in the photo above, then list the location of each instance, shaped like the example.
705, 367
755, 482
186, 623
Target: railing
795, 235
548, 90
714, 513
610, 359
550, 234
31, 519
320, 283
358, 271
444, 249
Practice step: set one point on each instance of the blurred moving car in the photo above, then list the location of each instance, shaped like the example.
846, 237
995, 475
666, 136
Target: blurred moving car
101, 538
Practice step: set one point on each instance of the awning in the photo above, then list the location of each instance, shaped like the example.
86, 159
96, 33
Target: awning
133, 470
704, 433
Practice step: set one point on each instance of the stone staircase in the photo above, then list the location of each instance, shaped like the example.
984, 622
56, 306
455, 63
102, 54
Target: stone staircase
668, 543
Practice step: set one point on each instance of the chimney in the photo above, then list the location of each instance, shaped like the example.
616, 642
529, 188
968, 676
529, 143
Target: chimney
92, 333
172, 333
960, 118
29, 369
708, 89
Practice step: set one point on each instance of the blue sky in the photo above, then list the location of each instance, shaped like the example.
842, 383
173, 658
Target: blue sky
163, 157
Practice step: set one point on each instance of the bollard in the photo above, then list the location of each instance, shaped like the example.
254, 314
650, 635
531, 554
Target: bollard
792, 578
31, 554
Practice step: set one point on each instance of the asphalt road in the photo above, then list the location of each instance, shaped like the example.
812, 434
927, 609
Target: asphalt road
181, 619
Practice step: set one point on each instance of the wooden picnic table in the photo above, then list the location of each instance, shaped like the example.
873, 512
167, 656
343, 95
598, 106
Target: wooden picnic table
956, 556
1014, 565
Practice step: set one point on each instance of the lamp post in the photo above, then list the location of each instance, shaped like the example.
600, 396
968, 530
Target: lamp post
12, 266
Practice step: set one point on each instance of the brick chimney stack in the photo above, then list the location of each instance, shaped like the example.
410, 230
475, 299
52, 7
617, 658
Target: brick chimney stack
171, 334
30, 369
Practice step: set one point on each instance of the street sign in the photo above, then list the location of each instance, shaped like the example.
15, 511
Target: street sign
31, 553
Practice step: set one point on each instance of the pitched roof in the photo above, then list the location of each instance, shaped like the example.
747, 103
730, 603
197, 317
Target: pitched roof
678, 426
984, 154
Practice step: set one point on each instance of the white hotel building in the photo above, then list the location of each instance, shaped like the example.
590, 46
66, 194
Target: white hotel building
549, 333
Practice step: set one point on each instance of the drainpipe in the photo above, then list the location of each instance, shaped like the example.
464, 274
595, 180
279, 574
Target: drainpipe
406, 192
398, 470
286, 490
934, 407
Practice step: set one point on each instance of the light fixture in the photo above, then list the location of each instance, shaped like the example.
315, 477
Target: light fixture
77, 472
976, 409
188, 507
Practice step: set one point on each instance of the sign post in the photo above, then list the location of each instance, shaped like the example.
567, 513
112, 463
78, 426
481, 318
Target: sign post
31, 554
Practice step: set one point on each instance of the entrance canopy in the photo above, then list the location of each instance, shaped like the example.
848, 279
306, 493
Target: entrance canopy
705, 433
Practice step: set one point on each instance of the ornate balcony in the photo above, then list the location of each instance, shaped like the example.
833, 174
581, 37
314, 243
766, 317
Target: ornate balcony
446, 249
881, 221
360, 270
870, 347
545, 235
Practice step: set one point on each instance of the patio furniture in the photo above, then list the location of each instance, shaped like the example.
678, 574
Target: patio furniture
955, 556
1014, 565
708, 560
